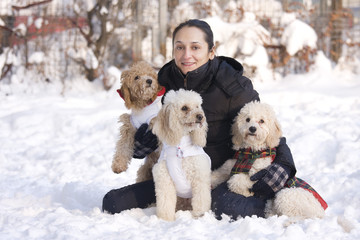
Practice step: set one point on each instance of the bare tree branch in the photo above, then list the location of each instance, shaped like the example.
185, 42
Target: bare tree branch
17, 8
86, 36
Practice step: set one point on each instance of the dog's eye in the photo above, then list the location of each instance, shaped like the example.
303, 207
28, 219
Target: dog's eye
261, 121
184, 108
137, 78
248, 120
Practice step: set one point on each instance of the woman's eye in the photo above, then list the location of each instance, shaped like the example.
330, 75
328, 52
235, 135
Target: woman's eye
137, 78
248, 120
195, 48
261, 121
179, 48
184, 108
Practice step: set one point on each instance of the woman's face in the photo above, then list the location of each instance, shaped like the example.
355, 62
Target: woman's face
190, 49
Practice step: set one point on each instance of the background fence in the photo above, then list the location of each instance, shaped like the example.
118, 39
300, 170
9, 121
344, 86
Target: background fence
62, 39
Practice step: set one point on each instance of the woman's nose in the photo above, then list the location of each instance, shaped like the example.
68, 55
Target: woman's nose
187, 53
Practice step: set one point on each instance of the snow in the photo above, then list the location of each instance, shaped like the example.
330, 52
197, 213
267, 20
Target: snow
8, 57
104, 10
37, 57
39, 23
246, 36
87, 55
298, 35
57, 141
109, 26
21, 28
56, 152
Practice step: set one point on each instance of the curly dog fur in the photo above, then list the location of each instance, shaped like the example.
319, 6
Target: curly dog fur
139, 88
257, 127
182, 117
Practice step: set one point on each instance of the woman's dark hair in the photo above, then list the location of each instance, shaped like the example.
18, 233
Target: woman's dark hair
202, 25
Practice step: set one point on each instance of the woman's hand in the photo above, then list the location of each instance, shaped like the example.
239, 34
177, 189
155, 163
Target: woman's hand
145, 142
270, 180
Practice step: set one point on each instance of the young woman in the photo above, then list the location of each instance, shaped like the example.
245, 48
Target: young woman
225, 91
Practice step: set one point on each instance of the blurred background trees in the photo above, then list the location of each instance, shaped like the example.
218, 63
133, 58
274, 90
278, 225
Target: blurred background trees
61, 40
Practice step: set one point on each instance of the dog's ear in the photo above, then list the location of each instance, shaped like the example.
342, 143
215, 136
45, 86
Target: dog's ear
125, 76
198, 136
166, 127
237, 138
126, 94
125, 90
275, 134
157, 124
175, 129
152, 123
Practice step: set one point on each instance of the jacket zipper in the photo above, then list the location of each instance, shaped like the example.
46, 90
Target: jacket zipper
185, 82
185, 79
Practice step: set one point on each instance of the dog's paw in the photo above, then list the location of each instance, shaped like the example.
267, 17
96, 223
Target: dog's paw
197, 214
119, 163
118, 168
244, 192
166, 216
236, 185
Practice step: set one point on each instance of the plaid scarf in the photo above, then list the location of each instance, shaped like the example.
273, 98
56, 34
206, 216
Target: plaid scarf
245, 158
298, 182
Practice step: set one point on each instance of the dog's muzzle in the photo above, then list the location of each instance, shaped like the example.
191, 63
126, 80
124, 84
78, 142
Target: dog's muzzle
252, 131
199, 119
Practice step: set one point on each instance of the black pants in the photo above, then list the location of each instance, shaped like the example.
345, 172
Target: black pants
138, 195
141, 195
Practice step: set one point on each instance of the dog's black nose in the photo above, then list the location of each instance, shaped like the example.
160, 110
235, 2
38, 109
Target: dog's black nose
199, 117
149, 81
252, 129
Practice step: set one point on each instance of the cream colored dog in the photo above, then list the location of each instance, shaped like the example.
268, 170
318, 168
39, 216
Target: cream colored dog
182, 174
256, 130
142, 95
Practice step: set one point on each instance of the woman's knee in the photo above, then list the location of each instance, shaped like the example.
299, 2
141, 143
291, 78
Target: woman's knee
226, 202
110, 202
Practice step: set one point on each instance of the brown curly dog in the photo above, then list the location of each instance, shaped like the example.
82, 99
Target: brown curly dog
142, 95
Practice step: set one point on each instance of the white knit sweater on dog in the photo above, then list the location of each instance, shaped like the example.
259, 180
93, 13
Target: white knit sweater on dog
137, 118
173, 156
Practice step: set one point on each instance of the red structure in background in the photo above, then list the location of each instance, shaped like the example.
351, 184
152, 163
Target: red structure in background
49, 25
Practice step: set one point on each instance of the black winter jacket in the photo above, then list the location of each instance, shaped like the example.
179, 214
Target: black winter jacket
224, 90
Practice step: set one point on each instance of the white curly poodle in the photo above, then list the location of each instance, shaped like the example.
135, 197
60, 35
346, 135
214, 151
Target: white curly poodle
182, 174
256, 134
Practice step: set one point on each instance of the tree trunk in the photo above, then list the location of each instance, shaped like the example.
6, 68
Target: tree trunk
163, 8
137, 37
155, 41
336, 32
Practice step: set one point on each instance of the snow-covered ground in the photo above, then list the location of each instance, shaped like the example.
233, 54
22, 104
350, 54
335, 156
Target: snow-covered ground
56, 152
